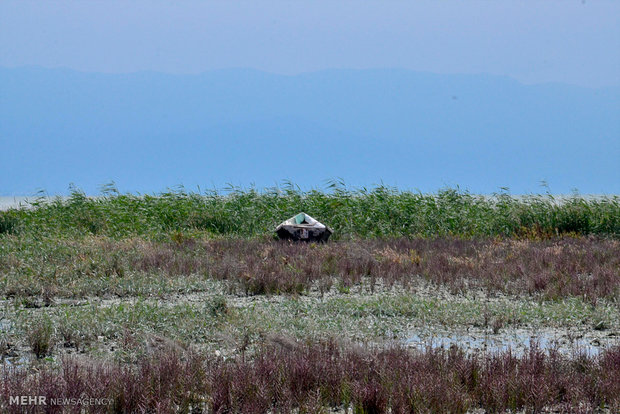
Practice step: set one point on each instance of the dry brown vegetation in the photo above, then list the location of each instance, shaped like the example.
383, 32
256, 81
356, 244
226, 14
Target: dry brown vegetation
563, 267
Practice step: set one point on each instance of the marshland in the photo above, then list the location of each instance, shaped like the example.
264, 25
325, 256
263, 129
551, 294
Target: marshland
186, 302
462, 157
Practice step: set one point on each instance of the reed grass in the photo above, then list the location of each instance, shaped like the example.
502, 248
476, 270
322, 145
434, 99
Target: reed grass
377, 212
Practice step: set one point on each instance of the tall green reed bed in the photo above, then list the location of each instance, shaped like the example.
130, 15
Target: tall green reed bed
379, 212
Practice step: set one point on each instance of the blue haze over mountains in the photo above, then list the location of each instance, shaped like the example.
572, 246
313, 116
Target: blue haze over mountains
148, 131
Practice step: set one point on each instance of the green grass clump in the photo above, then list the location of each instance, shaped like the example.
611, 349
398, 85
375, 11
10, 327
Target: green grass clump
9, 222
352, 213
40, 337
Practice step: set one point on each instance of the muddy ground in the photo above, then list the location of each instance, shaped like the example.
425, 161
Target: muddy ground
378, 316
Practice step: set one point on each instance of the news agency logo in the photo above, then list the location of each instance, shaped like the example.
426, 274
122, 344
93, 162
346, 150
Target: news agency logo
42, 400
27, 400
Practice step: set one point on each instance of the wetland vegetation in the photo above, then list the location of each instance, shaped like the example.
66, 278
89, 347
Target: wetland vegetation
184, 302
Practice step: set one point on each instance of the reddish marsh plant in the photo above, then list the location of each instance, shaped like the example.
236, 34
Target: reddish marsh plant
556, 268
284, 376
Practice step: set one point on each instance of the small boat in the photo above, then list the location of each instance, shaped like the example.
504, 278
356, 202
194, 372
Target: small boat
302, 227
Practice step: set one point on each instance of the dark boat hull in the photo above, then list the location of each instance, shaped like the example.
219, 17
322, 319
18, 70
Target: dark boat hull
302, 233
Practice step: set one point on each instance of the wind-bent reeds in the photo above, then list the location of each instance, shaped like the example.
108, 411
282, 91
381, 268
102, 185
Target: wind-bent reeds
352, 213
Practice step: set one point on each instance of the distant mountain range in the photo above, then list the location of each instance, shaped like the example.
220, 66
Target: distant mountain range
149, 131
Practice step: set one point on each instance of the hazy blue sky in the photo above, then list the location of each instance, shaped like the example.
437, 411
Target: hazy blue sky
435, 105
576, 42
